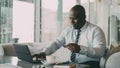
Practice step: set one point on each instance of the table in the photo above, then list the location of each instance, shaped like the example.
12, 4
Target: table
23, 64
16, 62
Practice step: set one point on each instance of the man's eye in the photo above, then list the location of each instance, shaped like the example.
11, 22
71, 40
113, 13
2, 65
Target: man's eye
72, 18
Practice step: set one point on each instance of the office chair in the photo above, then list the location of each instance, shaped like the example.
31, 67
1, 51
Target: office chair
113, 61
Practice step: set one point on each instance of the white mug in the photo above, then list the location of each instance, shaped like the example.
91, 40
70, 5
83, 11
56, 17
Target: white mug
50, 59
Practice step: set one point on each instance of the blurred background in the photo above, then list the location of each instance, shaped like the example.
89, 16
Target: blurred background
39, 21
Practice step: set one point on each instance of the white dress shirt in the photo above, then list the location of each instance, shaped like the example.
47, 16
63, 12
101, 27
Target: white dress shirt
92, 42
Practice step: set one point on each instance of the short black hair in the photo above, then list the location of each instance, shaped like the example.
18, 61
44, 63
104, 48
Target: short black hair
79, 10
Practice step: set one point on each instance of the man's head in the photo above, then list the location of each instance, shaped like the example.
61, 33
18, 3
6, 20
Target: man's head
77, 16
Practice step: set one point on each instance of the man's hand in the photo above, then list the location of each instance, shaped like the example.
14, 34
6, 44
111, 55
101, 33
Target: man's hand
42, 56
74, 47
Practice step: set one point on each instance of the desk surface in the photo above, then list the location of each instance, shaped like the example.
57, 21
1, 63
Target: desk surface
15, 61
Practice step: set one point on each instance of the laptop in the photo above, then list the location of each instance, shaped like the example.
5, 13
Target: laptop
24, 54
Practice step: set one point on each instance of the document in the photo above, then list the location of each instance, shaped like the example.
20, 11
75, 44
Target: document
65, 65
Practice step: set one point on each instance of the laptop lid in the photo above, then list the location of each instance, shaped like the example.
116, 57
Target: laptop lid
23, 53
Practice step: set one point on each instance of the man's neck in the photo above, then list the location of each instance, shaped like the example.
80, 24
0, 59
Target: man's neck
83, 23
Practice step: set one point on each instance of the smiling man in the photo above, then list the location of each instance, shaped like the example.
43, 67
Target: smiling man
86, 41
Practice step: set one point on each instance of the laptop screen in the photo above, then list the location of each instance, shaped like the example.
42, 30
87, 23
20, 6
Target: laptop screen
23, 53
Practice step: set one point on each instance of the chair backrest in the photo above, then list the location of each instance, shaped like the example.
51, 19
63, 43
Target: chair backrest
108, 52
113, 61
104, 58
1, 50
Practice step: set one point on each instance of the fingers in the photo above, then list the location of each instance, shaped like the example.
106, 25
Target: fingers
41, 55
36, 55
71, 48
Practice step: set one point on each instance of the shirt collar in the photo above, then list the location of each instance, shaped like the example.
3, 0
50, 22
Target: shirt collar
84, 27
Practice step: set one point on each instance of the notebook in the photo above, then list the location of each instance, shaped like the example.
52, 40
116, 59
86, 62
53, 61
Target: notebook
24, 54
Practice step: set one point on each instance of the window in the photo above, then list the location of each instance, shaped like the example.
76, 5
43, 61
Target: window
54, 17
6, 21
90, 10
114, 22
23, 21
43, 20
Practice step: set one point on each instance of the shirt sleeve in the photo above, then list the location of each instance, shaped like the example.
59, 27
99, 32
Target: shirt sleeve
99, 45
56, 44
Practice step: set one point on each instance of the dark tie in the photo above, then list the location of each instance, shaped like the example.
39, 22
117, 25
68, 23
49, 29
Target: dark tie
73, 55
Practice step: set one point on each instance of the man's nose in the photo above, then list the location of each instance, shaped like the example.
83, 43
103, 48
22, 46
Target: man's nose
72, 22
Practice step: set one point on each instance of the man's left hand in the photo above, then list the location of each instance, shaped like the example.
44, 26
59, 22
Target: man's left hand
74, 47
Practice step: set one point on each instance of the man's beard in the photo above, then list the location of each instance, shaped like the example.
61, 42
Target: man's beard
79, 25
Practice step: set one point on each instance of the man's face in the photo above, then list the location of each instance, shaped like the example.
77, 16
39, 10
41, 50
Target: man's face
75, 20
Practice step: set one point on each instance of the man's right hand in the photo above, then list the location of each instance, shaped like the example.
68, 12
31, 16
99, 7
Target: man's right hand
41, 55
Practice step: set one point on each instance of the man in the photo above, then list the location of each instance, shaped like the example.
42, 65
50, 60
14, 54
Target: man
85, 40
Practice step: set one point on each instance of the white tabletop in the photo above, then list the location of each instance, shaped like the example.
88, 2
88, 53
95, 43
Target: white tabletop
14, 62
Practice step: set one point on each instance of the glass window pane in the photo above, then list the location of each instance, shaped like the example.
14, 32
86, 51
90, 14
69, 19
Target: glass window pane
90, 10
54, 17
6, 21
23, 21
85, 3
